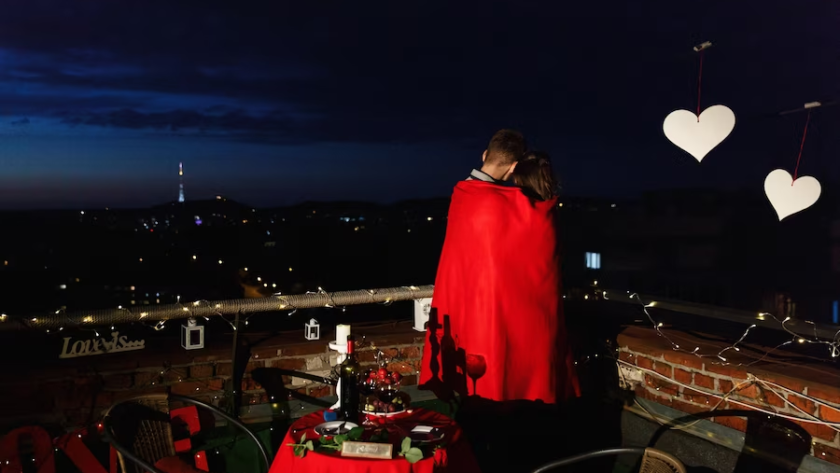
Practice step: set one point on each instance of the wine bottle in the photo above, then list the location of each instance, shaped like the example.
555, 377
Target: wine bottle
349, 375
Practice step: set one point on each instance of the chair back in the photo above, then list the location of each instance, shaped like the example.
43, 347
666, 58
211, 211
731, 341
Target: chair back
653, 461
144, 424
657, 461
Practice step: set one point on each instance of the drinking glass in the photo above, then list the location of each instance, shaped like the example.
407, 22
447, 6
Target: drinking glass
476, 368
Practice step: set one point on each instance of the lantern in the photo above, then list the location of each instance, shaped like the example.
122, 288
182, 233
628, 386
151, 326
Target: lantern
422, 309
192, 335
312, 330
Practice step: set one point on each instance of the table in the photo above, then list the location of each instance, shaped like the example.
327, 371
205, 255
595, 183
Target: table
456, 456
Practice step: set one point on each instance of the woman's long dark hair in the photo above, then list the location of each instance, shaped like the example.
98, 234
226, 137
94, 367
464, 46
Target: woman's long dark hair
534, 175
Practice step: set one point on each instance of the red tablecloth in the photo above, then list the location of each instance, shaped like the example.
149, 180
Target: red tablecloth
456, 456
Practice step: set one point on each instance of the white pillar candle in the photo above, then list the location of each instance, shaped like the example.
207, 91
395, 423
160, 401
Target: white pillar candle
341, 334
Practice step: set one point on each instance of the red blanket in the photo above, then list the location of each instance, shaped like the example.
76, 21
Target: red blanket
498, 295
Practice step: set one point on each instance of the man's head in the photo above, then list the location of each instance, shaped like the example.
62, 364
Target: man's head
506, 148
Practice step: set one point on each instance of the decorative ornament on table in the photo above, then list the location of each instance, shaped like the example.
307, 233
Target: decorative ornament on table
312, 330
192, 335
381, 388
699, 133
791, 194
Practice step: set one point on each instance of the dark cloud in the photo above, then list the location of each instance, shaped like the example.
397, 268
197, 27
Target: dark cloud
406, 72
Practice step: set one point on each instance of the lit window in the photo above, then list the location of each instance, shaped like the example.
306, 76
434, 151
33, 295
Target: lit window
593, 260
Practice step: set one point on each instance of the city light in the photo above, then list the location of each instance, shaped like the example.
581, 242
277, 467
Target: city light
194, 257
220, 261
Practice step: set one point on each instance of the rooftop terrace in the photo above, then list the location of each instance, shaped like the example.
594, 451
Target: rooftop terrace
767, 401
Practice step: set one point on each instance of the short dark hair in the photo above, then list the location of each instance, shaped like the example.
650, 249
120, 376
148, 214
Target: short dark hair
506, 147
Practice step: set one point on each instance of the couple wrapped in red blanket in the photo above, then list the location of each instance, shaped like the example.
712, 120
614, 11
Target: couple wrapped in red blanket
497, 328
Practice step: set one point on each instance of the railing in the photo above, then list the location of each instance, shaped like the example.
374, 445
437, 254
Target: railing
61, 319
288, 303
759, 319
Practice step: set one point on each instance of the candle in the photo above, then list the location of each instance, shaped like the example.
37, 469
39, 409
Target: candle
341, 334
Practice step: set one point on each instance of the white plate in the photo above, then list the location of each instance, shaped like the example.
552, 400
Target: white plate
331, 428
383, 414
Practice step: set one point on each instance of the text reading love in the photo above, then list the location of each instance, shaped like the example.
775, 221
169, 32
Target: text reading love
99, 346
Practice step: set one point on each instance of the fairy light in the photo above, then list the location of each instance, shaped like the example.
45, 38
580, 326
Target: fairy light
216, 308
833, 345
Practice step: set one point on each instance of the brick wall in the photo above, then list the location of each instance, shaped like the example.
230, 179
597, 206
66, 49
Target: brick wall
705, 380
74, 393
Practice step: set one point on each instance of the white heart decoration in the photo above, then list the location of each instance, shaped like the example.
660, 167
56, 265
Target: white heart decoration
695, 137
788, 196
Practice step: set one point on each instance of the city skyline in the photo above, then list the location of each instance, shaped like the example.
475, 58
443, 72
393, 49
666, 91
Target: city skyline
285, 104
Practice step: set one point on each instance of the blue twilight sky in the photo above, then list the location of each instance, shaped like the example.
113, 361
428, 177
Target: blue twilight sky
279, 102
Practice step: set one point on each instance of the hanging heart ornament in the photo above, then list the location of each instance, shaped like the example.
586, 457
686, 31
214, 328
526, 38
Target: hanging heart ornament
698, 137
788, 196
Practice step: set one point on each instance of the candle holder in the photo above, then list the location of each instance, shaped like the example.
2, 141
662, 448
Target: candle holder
340, 345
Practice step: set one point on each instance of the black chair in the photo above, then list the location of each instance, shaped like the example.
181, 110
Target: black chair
145, 425
652, 461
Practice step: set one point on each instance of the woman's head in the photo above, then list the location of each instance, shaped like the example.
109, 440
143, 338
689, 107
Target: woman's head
534, 175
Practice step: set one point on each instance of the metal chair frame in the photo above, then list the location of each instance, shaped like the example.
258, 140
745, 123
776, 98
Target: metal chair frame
646, 453
126, 453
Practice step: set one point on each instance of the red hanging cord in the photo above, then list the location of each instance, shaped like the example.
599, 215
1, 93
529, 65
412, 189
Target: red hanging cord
801, 146
699, 84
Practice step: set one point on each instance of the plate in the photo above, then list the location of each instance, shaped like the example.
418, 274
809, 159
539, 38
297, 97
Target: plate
426, 434
332, 428
384, 414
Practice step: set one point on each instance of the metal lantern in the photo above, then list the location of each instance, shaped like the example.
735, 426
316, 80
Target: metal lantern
312, 330
192, 335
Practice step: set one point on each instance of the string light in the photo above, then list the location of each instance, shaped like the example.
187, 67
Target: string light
203, 307
833, 345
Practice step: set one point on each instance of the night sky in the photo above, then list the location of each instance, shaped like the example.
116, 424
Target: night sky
273, 103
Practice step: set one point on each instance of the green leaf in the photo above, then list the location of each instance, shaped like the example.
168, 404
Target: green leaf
414, 455
325, 442
405, 446
355, 433
384, 435
340, 439
310, 446
303, 438
300, 451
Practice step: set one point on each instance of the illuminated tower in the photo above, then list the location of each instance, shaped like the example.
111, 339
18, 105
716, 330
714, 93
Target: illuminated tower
180, 182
